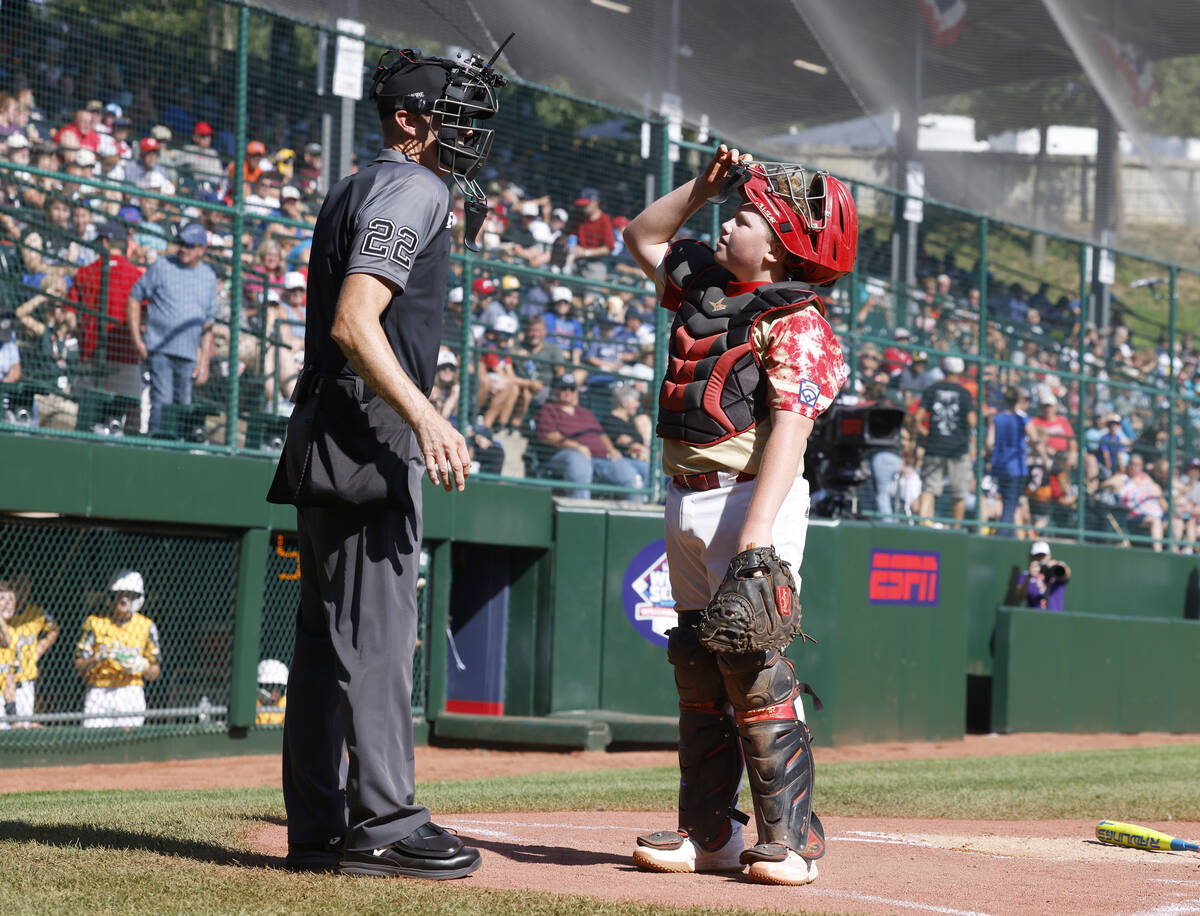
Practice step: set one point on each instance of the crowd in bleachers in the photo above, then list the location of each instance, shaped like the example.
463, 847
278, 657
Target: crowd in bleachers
1032, 335
549, 341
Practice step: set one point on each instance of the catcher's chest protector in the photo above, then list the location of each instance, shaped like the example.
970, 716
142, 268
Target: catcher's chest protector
714, 387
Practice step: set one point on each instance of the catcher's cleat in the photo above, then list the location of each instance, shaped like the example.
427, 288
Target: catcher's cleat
669, 851
427, 852
771, 863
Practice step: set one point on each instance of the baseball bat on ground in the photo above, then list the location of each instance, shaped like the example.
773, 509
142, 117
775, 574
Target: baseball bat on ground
1117, 834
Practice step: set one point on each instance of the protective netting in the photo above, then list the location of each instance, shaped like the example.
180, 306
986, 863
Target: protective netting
552, 312
281, 598
1012, 91
113, 634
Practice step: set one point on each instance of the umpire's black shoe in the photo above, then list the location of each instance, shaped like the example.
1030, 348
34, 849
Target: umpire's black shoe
314, 857
427, 852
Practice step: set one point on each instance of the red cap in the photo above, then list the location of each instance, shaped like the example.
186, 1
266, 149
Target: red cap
148, 145
483, 286
203, 128
256, 148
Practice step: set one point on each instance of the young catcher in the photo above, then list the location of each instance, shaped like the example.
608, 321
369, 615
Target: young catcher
752, 364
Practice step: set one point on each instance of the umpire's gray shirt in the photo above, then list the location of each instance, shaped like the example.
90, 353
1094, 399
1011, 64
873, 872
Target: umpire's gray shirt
390, 220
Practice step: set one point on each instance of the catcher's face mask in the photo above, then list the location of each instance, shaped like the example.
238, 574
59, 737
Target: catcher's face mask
811, 213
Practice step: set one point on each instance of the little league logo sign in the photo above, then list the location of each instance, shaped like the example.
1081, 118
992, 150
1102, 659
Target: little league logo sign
646, 594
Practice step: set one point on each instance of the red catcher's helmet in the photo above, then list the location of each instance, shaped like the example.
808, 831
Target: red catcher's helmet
814, 217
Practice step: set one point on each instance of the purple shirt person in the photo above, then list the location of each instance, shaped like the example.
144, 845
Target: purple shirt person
1044, 584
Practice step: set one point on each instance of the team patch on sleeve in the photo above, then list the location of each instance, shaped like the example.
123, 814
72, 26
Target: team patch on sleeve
808, 392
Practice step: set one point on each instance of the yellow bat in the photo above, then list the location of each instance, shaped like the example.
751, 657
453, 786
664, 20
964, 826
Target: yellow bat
1118, 834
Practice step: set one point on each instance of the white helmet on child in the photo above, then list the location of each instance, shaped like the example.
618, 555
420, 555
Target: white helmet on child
272, 671
129, 580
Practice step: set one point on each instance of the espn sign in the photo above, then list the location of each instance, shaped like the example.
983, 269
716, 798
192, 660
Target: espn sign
903, 577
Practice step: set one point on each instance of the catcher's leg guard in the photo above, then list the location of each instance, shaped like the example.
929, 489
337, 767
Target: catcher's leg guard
762, 688
710, 757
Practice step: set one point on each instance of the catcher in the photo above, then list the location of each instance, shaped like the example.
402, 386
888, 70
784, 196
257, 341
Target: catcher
117, 653
752, 365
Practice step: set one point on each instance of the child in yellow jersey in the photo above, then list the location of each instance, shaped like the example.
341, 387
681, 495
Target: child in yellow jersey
272, 692
8, 653
117, 653
35, 631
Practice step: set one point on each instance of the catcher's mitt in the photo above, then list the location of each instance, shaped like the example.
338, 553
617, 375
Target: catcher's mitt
755, 607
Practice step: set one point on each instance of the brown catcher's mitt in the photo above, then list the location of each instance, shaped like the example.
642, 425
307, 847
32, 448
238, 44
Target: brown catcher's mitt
754, 608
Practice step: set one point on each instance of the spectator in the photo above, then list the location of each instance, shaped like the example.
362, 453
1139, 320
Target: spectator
1008, 444
452, 324
896, 358
538, 362
308, 175
1112, 451
120, 134
151, 233
886, 462
1044, 584
10, 353
1059, 435
1143, 497
57, 344
605, 354
520, 241
629, 428
1188, 504
594, 238
950, 410
285, 359
120, 369
146, 172
263, 283
636, 333
445, 393
180, 293
118, 651
50, 249
499, 386
81, 133
198, 157
564, 328
581, 451
508, 302
290, 208
34, 631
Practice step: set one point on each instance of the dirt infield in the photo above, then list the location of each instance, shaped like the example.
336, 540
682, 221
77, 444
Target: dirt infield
874, 865
439, 763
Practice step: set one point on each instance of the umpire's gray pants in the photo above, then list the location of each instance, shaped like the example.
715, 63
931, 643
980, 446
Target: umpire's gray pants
351, 678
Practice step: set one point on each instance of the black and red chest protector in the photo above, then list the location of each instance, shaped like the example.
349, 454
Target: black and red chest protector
714, 387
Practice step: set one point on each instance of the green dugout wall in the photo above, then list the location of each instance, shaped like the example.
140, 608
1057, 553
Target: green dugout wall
573, 653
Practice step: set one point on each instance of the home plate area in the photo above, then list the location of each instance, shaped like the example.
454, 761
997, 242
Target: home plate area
873, 865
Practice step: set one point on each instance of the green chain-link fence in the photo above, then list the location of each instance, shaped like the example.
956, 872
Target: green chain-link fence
214, 91
86, 666
281, 597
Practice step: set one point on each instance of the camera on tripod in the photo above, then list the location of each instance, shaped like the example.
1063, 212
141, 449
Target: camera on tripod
836, 460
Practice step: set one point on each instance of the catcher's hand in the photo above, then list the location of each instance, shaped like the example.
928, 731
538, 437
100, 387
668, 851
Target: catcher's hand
755, 608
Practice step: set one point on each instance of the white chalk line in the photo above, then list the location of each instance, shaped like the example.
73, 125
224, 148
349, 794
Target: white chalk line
904, 904
1172, 909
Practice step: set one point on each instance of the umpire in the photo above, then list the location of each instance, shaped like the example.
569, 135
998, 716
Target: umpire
360, 437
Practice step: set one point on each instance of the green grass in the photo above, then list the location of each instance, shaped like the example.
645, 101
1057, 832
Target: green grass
143, 852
